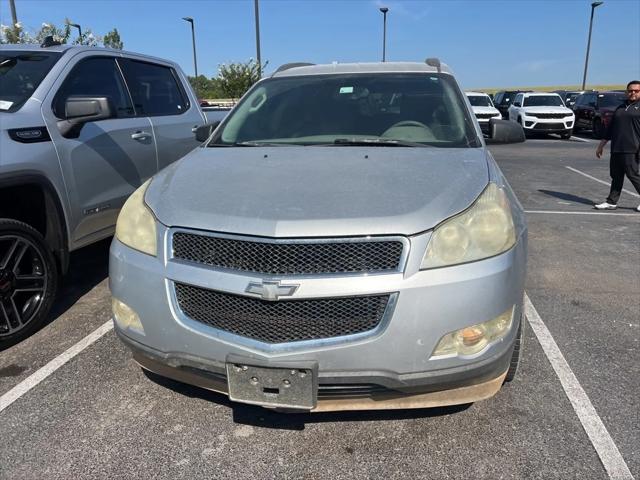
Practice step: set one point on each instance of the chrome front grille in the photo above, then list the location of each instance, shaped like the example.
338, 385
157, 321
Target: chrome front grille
283, 321
289, 257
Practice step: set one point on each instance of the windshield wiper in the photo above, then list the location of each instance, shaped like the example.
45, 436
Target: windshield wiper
376, 142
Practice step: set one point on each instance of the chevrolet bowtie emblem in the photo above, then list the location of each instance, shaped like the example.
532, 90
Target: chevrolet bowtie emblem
271, 291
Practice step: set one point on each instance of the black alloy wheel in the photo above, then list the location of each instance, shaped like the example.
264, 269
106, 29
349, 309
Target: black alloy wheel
28, 281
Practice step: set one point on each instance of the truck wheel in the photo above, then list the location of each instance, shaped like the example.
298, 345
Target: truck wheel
28, 281
515, 356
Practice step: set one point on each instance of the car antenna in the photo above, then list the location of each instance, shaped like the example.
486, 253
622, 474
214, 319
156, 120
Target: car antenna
434, 62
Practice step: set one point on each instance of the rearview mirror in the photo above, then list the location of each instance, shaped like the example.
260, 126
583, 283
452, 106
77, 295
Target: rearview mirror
80, 110
203, 132
504, 131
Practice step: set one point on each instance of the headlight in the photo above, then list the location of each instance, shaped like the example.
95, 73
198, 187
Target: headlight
497, 115
471, 340
484, 230
136, 226
530, 114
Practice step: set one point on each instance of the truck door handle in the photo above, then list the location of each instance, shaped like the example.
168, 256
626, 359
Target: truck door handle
140, 135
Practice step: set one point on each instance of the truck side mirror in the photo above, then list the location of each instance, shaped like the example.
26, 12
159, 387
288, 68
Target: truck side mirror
203, 132
81, 110
504, 131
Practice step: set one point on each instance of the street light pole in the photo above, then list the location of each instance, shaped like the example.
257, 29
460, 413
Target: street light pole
79, 30
257, 14
384, 11
193, 41
594, 5
14, 16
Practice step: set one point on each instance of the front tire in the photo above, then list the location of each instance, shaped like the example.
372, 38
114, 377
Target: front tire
28, 281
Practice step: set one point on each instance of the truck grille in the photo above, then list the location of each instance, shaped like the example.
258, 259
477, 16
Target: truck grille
549, 115
485, 115
289, 257
282, 321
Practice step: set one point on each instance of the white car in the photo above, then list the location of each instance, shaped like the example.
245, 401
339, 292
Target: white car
483, 109
542, 113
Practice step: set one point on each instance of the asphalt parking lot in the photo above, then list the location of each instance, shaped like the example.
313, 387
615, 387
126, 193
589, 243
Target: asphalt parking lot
572, 412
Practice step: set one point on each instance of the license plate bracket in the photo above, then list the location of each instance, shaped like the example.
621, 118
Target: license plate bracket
280, 386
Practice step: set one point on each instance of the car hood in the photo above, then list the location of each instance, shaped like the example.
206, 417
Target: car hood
548, 109
317, 191
485, 110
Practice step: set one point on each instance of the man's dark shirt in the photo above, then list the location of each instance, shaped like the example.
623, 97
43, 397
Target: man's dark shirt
624, 129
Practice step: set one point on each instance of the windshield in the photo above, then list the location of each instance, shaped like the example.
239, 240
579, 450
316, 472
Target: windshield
20, 75
351, 109
611, 99
543, 101
480, 101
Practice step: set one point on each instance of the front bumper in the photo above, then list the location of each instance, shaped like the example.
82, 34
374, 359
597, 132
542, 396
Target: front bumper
391, 367
558, 125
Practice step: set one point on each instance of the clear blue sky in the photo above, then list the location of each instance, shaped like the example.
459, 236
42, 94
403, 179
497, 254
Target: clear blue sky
488, 43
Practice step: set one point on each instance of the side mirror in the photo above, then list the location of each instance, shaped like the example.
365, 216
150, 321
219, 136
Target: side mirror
80, 110
504, 131
203, 132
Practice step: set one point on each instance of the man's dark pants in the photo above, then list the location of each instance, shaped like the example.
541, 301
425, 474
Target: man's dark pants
622, 164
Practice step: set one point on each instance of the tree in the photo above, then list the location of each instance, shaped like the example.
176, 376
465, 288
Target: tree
236, 78
206, 87
17, 34
112, 40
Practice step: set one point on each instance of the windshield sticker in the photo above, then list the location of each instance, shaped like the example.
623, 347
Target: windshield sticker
346, 89
5, 105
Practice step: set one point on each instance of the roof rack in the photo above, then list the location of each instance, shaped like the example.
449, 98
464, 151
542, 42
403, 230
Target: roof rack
49, 42
434, 62
287, 66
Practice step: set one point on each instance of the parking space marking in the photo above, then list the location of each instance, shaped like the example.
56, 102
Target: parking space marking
608, 184
596, 212
583, 140
39, 375
606, 449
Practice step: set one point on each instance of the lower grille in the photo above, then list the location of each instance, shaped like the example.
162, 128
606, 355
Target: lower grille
283, 321
549, 126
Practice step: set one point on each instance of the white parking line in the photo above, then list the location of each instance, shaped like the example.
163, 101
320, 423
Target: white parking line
583, 140
604, 213
39, 375
609, 454
600, 181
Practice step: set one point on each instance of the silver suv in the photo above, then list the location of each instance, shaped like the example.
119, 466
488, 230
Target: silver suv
343, 240
80, 129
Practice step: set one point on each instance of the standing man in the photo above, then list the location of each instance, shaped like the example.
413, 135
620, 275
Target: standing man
624, 133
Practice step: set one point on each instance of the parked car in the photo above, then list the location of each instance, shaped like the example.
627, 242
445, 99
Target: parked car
81, 129
542, 113
569, 96
343, 240
215, 114
502, 100
593, 110
483, 109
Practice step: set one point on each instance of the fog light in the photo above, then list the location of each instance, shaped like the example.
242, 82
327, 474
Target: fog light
474, 339
528, 124
125, 317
